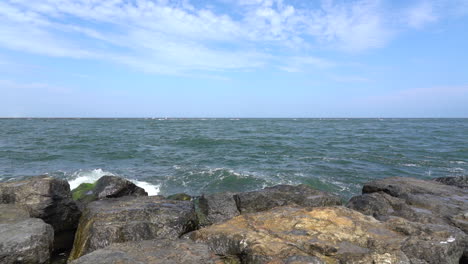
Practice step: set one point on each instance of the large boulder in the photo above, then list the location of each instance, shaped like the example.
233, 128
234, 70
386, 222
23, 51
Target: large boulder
305, 235
130, 218
43, 197
429, 204
416, 200
430, 243
106, 187
282, 195
160, 251
215, 208
23, 239
459, 181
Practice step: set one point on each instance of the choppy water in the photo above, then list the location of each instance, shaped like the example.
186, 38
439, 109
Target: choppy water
203, 156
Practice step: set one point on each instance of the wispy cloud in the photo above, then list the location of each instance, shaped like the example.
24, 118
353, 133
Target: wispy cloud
174, 37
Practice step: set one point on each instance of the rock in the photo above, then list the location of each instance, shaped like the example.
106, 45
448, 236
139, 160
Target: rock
180, 197
130, 218
305, 235
430, 243
152, 252
428, 201
281, 195
460, 181
43, 197
382, 206
429, 204
215, 208
23, 239
106, 187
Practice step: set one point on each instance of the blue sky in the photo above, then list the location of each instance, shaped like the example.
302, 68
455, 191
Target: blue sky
226, 58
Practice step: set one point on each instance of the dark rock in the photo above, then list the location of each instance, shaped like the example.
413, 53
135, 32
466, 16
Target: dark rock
428, 204
152, 252
281, 195
304, 235
460, 181
130, 218
179, 197
23, 239
43, 197
106, 187
430, 243
382, 206
215, 208
430, 201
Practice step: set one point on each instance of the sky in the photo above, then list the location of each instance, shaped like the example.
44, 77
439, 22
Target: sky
227, 58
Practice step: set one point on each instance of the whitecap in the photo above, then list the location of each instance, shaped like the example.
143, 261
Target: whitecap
410, 165
148, 187
90, 176
87, 176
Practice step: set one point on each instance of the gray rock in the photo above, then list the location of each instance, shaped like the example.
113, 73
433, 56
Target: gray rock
460, 181
282, 195
433, 207
105, 187
430, 243
43, 197
131, 218
431, 201
215, 208
23, 239
152, 252
113, 187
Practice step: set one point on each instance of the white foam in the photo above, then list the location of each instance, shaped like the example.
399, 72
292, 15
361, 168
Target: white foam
148, 187
91, 176
80, 177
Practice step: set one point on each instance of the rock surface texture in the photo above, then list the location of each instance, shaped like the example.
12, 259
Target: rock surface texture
23, 239
282, 195
152, 252
130, 218
300, 235
431, 207
43, 197
461, 181
219, 207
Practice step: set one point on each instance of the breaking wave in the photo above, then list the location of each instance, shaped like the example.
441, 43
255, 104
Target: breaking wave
90, 176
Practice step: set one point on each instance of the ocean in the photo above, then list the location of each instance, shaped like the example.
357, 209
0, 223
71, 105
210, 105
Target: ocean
195, 156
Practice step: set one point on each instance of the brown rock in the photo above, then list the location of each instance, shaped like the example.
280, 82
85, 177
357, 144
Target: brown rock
297, 235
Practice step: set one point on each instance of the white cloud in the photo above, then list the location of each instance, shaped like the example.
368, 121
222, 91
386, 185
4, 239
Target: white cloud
174, 37
421, 14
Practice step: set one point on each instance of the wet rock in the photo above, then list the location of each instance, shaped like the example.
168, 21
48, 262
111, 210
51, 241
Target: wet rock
152, 252
23, 239
215, 208
130, 218
43, 197
460, 181
179, 197
282, 195
106, 187
305, 235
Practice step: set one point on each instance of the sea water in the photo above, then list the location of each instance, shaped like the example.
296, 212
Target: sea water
195, 156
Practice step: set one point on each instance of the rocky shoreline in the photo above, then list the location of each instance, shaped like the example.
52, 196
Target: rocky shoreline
395, 220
